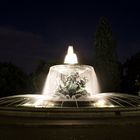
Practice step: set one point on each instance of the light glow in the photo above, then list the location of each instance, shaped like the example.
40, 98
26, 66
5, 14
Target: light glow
101, 103
70, 57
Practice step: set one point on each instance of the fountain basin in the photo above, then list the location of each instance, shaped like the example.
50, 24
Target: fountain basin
69, 123
102, 100
31, 117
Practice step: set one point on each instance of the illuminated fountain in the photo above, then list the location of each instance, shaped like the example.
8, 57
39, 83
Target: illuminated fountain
71, 85
71, 81
70, 98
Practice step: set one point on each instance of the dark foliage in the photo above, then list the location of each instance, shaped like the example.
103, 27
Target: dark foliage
106, 60
13, 80
131, 75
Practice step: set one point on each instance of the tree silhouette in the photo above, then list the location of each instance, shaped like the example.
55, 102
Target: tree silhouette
106, 60
13, 80
131, 79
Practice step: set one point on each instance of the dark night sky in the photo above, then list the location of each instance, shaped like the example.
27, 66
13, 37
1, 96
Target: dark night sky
42, 30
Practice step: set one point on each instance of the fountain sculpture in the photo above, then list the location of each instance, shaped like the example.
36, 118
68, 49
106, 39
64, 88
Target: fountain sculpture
71, 85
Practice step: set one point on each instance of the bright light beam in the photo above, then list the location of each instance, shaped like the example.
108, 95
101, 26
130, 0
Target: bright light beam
70, 57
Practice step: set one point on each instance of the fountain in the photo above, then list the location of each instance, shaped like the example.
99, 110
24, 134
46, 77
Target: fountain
71, 97
71, 85
71, 82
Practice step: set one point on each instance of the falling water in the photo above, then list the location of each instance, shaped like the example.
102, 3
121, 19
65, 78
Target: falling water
59, 72
78, 76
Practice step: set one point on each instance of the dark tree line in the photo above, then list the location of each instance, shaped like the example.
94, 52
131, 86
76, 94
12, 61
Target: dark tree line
13, 80
131, 75
112, 75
